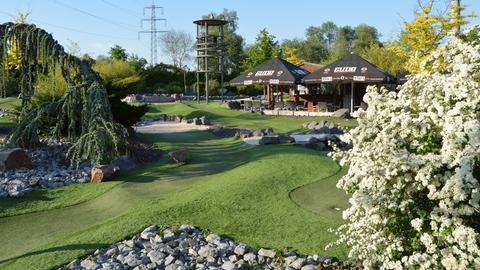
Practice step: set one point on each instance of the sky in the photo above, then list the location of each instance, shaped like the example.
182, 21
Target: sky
97, 25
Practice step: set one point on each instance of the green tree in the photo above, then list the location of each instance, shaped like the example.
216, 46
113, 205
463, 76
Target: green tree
384, 57
264, 48
138, 63
314, 48
292, 55
343, 44
164, 78
118, 53
234, 51
121, 79
365, 36
329, 32
422, 36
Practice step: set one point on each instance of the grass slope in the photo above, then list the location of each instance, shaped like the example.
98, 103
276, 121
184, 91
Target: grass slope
220, 115
320, 197
228, 187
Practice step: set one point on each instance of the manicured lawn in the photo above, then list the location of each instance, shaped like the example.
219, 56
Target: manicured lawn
8, 103
227, 187
321, 198
220, 115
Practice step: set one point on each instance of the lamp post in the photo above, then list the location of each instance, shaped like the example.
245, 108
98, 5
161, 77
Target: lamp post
185, 70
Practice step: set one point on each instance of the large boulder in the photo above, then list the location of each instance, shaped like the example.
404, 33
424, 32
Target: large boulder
197, 121
102, 173
322, 130
233, 105
205, 121
269, 140
243, 133
341, 113
14, 158
179, 155
257, 132
336, 130
312, 125
125, 163
284, 138
268, 131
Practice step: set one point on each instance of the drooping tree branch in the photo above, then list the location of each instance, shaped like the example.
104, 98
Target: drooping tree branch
82, 115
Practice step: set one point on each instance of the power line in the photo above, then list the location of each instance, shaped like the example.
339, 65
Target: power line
76, 30
123, 26
79, 31
126, 11
153, 30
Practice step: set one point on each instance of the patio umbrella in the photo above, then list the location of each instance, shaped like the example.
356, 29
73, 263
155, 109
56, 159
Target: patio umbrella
402, 77
275, 71
350, 69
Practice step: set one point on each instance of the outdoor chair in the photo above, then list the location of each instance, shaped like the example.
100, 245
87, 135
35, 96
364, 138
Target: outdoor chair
278, 106
247, 105
322, 107
300, 106
256, 105
290, 106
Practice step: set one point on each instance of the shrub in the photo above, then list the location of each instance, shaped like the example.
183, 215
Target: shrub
113, 70
121, 79
414, 169
49, 87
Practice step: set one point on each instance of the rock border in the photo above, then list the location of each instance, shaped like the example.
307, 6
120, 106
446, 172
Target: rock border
187, 247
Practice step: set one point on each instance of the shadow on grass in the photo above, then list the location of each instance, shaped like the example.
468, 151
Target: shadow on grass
208, 155
56, 249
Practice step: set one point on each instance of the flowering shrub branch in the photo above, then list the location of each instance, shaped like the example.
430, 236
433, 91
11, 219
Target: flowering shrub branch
414, 169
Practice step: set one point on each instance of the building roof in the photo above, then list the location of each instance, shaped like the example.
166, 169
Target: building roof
351, 68
274, 71
310, 67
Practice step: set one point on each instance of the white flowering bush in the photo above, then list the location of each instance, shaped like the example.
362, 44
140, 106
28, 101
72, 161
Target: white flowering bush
414, 168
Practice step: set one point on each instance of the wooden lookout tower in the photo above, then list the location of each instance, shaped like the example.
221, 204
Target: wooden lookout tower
210, 46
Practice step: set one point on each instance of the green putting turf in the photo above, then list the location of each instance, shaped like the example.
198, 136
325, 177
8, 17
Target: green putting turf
219, 115
227, 187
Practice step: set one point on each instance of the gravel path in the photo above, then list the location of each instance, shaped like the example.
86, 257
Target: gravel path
162, 127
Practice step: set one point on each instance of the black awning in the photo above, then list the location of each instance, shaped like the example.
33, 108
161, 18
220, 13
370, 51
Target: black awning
402, 77
351, 68
275, 71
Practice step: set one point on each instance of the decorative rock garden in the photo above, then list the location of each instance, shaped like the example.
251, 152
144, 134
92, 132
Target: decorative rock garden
188, 248
176, 118
319, 137
49, 168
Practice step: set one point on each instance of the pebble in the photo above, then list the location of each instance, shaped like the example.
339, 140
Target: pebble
203, 252
48, 172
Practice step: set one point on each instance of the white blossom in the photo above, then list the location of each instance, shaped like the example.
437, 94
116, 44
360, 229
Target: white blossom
414, 167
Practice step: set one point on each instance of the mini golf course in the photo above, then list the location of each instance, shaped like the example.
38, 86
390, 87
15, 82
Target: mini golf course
279, 196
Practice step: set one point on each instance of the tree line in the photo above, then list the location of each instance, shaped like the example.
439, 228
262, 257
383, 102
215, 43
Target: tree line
320, 44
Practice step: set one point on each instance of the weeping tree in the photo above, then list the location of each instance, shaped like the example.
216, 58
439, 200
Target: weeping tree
82, 116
